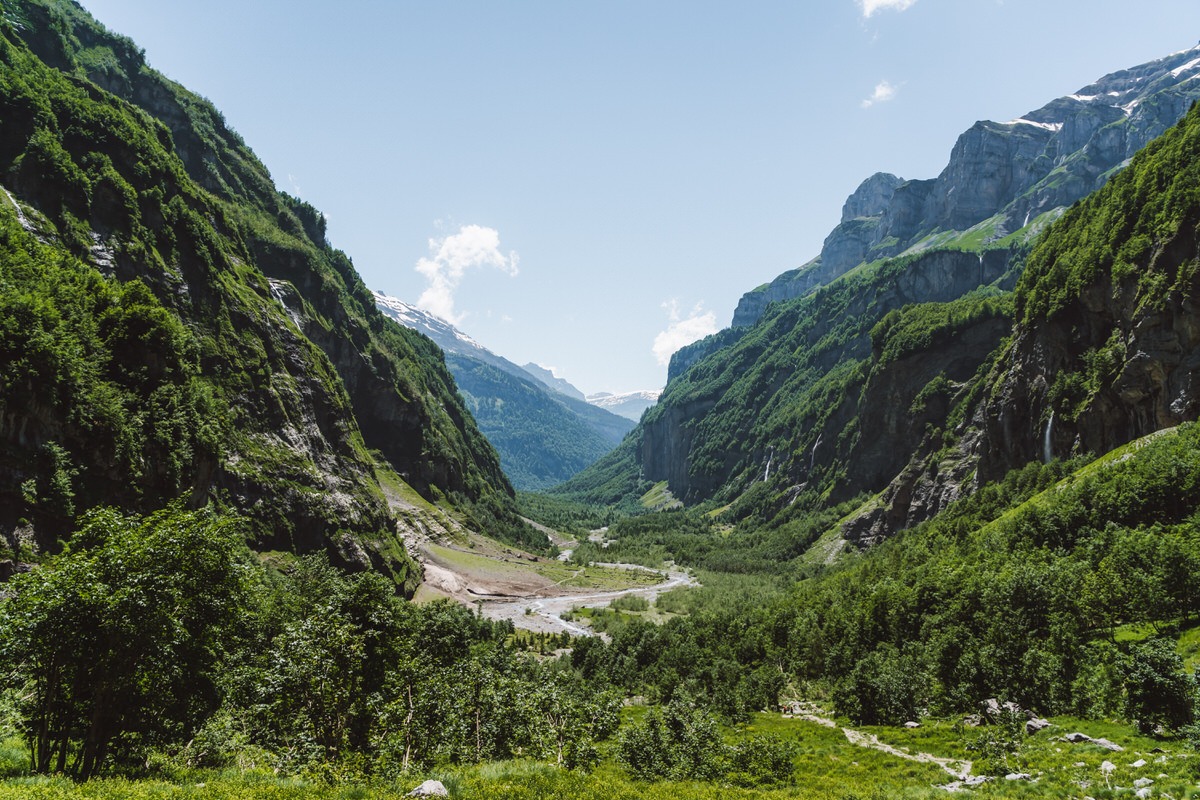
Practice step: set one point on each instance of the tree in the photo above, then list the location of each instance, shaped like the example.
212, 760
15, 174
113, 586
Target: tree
118, 640
1158, 691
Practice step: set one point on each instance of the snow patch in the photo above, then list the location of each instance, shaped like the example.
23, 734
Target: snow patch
1195, 62
1053, 127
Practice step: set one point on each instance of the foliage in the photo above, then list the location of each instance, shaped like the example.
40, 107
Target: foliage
1158, 692
542, 437
117, 641
680, 742
886, 687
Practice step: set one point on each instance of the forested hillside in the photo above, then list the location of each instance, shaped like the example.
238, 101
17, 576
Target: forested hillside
176, 327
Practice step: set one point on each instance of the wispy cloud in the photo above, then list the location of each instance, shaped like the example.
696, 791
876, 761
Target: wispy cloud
473, 247
884, 91
682, 331
869, 7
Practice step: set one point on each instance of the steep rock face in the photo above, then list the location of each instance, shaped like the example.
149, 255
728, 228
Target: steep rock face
765, 397
901, 400
1106, 348
1011, 171
667, 445
872, 197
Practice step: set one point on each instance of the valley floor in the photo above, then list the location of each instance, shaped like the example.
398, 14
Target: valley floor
533, 592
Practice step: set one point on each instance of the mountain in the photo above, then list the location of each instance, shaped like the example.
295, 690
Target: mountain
1105, 348
627, 404
543, 436
1001, 176
552, 381
867, 380
175, 328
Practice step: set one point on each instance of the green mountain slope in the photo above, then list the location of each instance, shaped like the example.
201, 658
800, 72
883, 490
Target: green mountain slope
542, 437
178, 326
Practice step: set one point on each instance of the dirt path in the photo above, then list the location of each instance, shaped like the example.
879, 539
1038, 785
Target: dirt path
957, 768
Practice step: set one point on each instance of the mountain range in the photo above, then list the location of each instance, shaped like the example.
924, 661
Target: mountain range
541, 426
848, 382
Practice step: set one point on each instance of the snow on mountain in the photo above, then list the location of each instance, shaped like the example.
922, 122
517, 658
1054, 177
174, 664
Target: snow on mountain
626, 404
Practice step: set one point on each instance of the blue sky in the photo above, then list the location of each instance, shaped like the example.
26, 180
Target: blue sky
587, 185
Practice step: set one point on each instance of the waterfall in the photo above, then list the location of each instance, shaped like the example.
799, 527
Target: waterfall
767, 471
1047, 455
1026, 222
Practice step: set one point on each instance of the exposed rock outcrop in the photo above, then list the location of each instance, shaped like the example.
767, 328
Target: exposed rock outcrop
1007, 172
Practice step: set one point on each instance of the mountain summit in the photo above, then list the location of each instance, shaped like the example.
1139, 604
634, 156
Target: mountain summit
1001, 177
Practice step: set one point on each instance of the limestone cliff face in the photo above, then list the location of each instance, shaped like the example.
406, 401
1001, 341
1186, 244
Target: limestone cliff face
739, 408
1106, 348
1005, 172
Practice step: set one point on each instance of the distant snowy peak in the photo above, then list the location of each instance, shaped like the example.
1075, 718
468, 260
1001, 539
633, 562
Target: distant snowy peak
448, 337
627, 404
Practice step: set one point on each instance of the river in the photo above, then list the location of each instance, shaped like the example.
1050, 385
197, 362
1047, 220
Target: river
546, 612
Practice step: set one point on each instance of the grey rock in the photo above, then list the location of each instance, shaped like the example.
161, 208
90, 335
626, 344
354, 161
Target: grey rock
430, 789
1034, 725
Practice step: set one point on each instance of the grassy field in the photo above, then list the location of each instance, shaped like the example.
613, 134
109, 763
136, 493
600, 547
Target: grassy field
552, 570
828, 765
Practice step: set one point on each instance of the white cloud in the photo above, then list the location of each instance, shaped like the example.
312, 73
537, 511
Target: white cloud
884, 91
680, 331
474, 246
869, 7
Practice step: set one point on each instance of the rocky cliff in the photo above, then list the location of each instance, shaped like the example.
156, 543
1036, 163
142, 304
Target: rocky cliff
1001, 176
1106, 347
785, 403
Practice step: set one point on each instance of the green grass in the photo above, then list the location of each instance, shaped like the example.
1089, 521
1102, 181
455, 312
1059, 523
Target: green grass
659, 498
564, 574
827, 766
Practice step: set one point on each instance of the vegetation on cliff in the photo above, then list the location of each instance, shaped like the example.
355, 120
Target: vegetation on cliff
178, 327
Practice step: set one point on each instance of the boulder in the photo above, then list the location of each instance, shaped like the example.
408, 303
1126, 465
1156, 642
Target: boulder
912, 725
430, 789
1036, 724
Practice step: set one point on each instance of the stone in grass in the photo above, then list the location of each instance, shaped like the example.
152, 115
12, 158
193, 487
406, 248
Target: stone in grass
911, 725
430, 789
1017, 776
1141, 762
1076, 738
1143, 782
1036, 724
